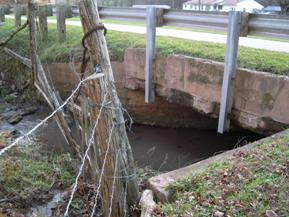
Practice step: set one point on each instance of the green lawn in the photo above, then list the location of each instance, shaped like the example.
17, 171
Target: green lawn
248, 185
118, 42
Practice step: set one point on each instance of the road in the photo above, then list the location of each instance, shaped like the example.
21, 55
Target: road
190, 35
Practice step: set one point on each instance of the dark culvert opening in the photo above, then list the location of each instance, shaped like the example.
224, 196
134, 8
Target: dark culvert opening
165, 149
176, 135
164, 137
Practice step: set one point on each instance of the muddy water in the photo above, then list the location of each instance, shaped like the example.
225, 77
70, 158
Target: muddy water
166, 149
46, 209
160, 148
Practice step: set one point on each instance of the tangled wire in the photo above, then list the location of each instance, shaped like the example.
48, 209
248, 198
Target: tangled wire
85, 59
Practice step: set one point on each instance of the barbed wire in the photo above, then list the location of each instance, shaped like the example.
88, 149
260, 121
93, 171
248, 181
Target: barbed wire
91, 139
113, 184
91, 77
102, 172
116, 173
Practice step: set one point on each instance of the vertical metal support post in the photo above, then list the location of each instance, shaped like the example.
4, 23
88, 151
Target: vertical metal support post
150, 54
229, 71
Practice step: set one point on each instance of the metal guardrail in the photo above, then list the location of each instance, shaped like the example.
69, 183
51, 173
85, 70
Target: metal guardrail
192, 19
269, 25
235, 23
273, 26
123, 14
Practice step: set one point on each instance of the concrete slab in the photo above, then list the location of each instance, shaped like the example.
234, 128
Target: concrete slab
159, 184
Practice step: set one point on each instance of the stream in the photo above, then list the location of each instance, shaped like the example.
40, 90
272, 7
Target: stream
46, 210
162, 149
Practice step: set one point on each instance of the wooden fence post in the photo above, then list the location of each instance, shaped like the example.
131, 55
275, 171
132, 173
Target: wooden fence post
68, 9
43, 27
61, 15
120, 157
229, 71
244, 29
40, 80
17, 14
160, 17
49, 10
150, 54
2, 14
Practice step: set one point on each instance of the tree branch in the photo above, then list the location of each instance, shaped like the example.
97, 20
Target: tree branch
14, 33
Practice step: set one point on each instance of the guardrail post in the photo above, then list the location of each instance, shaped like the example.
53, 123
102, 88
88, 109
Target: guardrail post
2, 15
150, 54
229, 71
61, 15
17, 14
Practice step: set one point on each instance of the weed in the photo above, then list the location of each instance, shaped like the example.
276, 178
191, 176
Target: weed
26, 175
248, 185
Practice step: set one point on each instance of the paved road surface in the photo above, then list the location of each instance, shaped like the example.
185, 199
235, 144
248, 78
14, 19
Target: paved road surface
196, 36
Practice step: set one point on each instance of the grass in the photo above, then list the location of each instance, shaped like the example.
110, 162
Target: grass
118, 42
27, 176
248, 185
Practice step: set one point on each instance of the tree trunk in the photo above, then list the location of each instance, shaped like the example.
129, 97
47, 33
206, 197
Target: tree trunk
119, 157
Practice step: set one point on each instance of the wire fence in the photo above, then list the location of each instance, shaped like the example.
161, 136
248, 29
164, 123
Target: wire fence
117, 171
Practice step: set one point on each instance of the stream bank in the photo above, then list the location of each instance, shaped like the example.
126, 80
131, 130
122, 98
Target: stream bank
156, 149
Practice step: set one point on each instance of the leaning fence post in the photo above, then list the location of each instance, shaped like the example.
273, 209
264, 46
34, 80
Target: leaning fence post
61, 15
17, 14
229, 71
2, 15
150, 54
